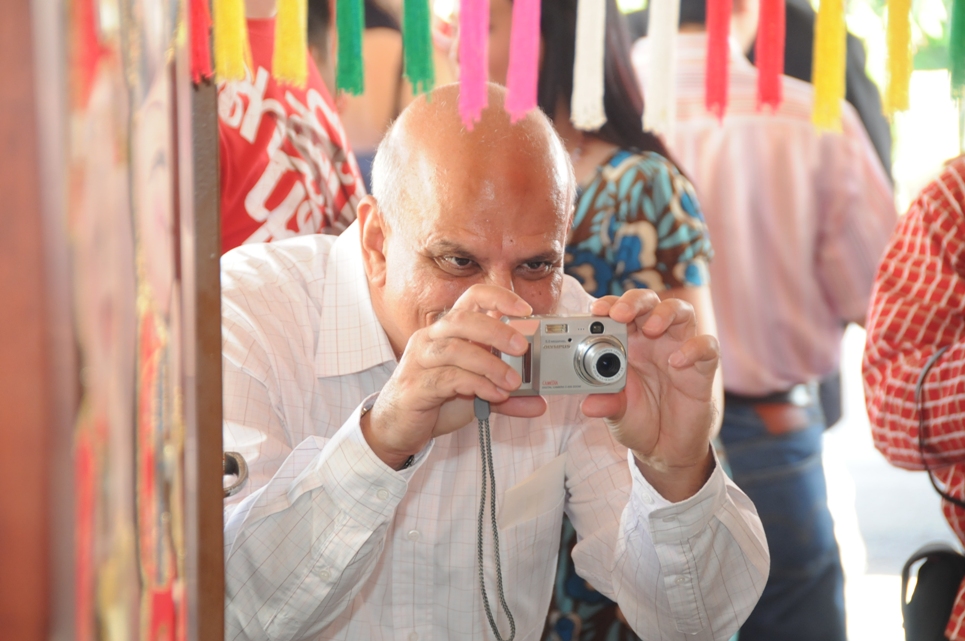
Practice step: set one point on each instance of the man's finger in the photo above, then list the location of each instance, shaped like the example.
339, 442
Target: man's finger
522, 407
445, 383
700, 352
610, 406
672, 316
478, 328
461, 354
488, 298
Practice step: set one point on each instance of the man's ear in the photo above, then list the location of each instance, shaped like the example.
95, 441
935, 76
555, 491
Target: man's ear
374, 232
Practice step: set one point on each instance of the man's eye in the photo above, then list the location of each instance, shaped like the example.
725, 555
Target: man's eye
538, 266
457, 261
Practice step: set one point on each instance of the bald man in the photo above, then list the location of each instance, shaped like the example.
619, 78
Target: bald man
350, 366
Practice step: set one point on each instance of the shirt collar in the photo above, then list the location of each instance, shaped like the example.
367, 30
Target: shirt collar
350, 338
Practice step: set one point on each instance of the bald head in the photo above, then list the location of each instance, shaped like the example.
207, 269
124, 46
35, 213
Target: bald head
428, 153
453, 208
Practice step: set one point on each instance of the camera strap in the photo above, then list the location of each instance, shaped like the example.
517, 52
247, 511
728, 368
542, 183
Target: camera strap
481, 408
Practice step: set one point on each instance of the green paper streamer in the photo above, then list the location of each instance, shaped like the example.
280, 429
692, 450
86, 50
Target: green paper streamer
956, 49
350, 19
417, 40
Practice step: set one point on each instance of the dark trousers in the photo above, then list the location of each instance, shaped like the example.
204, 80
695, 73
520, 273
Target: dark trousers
784, 477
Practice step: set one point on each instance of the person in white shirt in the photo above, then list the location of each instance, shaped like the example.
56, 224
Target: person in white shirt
799, 220
350, 366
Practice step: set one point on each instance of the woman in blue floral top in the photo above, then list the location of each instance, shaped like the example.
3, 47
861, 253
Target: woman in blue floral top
637, 224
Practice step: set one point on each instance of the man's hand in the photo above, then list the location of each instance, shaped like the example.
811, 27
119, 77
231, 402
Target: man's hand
446, 365
666, 412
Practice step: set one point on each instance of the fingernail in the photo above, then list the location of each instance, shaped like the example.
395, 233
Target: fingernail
523, 308
677, 359
513, 379
518, 342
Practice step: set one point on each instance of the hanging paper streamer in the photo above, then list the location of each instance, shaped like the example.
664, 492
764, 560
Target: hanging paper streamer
230, 39
586, 103
769, 53
899, 56
289, 61
417, 44
718, 55
200, 41
830, 43
350, 18
473, 59
956, 49
88, 50
660, 80
523, 75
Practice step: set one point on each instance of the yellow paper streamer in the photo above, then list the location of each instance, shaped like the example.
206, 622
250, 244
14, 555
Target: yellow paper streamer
830, 44
289, 63
231, 50
899, 56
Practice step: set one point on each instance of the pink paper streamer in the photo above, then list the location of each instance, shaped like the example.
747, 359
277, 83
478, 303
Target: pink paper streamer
523, 75
473, 60
718, 55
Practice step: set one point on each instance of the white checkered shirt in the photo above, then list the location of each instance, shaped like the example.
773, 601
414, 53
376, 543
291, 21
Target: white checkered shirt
327, 542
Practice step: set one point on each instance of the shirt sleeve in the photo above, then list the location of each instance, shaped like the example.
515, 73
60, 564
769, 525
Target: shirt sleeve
662, 242
688, 570
916, 310
304, 536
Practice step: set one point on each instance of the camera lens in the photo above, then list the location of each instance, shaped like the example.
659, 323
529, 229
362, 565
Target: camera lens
600, 360
596, 328
608, 365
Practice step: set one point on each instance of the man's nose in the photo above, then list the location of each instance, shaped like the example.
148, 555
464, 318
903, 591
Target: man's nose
501, 279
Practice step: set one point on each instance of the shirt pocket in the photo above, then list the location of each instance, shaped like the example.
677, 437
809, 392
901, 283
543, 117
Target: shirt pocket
528, 552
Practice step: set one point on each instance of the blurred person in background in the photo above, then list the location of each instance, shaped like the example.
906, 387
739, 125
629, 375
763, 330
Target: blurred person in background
286, 165
637, 224
916, 329
860, 91
367, 116
799, 220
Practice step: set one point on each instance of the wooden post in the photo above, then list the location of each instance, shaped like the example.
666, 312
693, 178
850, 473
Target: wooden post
200, 268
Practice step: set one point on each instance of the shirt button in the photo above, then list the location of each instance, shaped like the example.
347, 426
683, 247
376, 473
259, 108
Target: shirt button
413, 636
413, 535
669, 519
680, 580
325, 575
647, 499
382, 494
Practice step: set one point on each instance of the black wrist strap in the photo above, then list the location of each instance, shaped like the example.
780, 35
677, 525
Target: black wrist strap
922, 425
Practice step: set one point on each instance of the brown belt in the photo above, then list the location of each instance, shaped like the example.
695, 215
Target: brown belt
781, 412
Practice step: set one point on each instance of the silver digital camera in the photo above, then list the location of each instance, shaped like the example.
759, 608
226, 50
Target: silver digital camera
570, 355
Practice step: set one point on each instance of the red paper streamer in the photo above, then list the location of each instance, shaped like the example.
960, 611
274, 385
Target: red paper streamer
769, 53
473, 59
718, 55
201, 68
523, 74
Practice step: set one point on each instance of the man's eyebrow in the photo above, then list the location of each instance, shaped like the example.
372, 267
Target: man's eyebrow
447, 247
550, 256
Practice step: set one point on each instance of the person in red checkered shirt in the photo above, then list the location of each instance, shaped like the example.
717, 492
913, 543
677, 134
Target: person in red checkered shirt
916, 310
